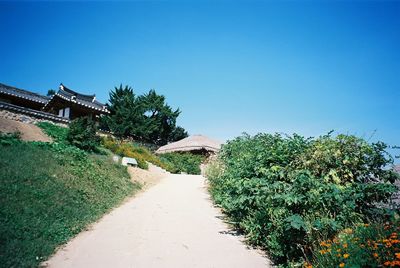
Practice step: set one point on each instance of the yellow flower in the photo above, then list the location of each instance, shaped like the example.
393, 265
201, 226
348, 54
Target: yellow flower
346, 255
345, 245
341, 264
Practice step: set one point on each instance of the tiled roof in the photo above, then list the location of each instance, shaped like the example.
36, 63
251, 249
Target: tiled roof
31, 112
88, 101
24, 94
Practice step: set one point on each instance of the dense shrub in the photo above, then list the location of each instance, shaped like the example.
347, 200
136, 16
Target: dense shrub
49, 192
365, 245
287, 192
57, 133
182, 162
82, 134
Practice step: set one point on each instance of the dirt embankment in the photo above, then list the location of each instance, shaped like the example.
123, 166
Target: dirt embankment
148, 177
29, 132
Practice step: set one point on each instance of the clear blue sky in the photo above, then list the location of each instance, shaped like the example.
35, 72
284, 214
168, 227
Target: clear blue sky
305, 67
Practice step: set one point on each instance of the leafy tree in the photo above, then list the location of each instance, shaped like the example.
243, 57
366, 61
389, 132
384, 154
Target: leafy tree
146, 118
51, 92
177, 134
160, 119
126, 113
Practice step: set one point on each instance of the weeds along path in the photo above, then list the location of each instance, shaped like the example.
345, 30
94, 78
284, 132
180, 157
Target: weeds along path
173, 224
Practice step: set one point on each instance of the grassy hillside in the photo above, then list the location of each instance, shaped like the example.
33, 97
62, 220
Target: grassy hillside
49, 193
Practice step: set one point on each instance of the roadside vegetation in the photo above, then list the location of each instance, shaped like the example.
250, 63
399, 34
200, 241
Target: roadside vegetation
298, 198
49, 193
183, 162
172, 162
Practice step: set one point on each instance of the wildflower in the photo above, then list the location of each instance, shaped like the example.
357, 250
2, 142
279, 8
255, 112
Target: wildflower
338, 250
386, 263
322, 252
346, 255
345, 245
348, 231
341, 264
366, 225
397, 255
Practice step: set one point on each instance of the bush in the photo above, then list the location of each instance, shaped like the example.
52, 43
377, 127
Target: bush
365, 245
288, 192
59, 134
182, 162
82, 134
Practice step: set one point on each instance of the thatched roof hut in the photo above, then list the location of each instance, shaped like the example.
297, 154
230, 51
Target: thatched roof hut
195, 143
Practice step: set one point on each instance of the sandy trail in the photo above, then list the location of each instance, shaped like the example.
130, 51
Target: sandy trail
173, 224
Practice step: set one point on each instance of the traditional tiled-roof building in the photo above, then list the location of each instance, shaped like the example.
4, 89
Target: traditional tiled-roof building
64, 105
21, 97
71, 104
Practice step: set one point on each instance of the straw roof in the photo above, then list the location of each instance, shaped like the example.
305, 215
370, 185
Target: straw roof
191, 143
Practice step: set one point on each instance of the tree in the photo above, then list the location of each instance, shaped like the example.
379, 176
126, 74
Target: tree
160, 119
125, 113
51, 92
177, 134
146, 118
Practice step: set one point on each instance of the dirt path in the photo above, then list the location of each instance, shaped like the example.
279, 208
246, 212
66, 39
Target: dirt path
173, 224
29, 132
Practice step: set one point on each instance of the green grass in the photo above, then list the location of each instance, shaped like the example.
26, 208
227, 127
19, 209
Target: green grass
56, 132
49, 193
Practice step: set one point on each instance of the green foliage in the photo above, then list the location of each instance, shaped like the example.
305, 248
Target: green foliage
364, 245
146, 118
178, 134
82, 134
126, 113
182, 162
50, 192
9, 138
159, 118
57, 133
51, 92
128, 149
287, 192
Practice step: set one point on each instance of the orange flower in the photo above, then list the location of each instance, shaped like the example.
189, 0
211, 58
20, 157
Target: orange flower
341, 264
397, 255
346, 255
387, 263
345, 245
376, 255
